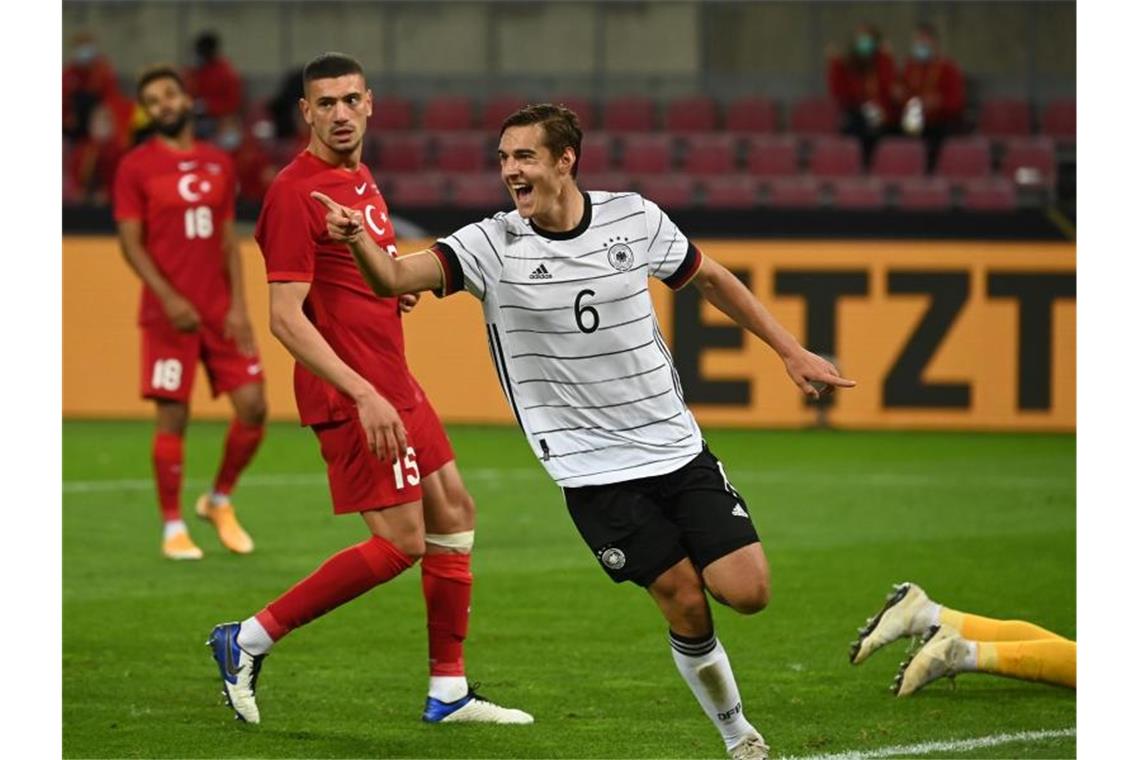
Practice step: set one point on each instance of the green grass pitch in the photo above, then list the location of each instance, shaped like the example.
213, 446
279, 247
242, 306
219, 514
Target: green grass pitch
985, 523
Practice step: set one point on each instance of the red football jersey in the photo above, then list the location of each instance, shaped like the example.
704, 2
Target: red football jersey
181, 198
364, 330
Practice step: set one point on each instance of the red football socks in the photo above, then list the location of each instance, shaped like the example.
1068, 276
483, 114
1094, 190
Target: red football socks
167, 455
241, 444
343, 577
447, 591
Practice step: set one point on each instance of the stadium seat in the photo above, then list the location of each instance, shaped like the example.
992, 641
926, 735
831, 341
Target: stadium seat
710, 155
735, 191
1059, 120
498, 108
669, 191
448, 113
924, 194
1030, 162
815, 116
582, 107
462, 151
391, 113
774, 156
647, 154
835, 157
992, 194
597, 152
1004, 117
614, 182
899, 157
693, 114
964, 158
484, 190
752, 115
401, 152
416, 190
793, 192
631, 113
859, 193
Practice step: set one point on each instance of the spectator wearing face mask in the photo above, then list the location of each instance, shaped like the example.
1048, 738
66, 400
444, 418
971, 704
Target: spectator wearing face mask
213, 83
931, 93
860, 82
88, 81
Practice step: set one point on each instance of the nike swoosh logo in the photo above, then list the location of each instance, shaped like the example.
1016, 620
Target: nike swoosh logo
253, 369
360, 190
231, 668
185, 166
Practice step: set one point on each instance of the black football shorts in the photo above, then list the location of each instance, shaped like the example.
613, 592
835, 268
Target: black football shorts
640, 528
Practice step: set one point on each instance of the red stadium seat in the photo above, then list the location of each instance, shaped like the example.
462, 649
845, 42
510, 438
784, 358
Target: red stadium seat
669, 190
597, 152
710, 155
773, 156
497, 109
994, 194
693, 114
736, 191
899, 157
836, 157
484, 190
417, 190
757, 115
462, 152
794, 192
582, 107
1004, 117
448, 113
1059, 120
647, 154
1030, 162
391, 113
401, 152
815, 116
964, 158
859, 193
613, 182
924, 194
631, 113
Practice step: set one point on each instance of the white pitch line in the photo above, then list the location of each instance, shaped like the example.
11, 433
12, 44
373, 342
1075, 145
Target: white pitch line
492, 474
950, 745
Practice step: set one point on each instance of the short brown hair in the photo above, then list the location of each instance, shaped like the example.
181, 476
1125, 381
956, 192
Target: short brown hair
560, 128
330, 66
153, 74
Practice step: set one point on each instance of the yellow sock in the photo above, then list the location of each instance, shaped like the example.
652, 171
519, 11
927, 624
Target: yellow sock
978, 628
1049, 660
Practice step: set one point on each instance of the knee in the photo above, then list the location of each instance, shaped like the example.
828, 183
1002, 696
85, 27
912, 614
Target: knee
253, 413
411, 545
750, 600
686, 596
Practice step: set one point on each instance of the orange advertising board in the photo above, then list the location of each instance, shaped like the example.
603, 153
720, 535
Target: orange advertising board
939, 335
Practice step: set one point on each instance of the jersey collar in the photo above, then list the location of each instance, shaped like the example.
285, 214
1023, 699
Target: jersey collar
587, 216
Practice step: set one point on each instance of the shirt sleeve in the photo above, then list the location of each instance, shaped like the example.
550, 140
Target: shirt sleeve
287, 237
231, 188
672, 258
128, 196
471, 258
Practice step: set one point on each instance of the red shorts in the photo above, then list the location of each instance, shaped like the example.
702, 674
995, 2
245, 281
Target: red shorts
360, 481
170, 357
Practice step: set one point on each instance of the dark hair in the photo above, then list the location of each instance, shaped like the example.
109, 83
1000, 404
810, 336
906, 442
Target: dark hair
155, 73
206, 45
330, 66
560, 128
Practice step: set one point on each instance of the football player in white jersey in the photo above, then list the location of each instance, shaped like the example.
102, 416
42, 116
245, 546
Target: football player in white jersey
563, 280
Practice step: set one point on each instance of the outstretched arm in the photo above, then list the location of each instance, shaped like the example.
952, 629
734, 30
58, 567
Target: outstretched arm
810, 373
385, 274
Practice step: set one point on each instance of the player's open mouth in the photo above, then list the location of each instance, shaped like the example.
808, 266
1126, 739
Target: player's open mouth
343, 132
522, 192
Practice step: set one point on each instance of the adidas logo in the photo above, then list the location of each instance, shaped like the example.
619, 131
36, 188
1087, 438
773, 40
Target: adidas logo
541, 273
738, 511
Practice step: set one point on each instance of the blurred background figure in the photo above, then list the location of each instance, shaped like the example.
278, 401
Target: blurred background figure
860, 82
214, 84
931, 94
88, 80
283, 106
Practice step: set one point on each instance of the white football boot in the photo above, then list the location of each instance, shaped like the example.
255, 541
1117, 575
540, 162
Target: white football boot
906, 613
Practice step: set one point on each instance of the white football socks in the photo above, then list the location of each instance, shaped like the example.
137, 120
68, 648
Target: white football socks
447, 688
704, 665
253, 637
172, 528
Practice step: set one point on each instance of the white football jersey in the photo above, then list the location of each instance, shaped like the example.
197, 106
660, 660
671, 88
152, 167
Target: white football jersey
574, 338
